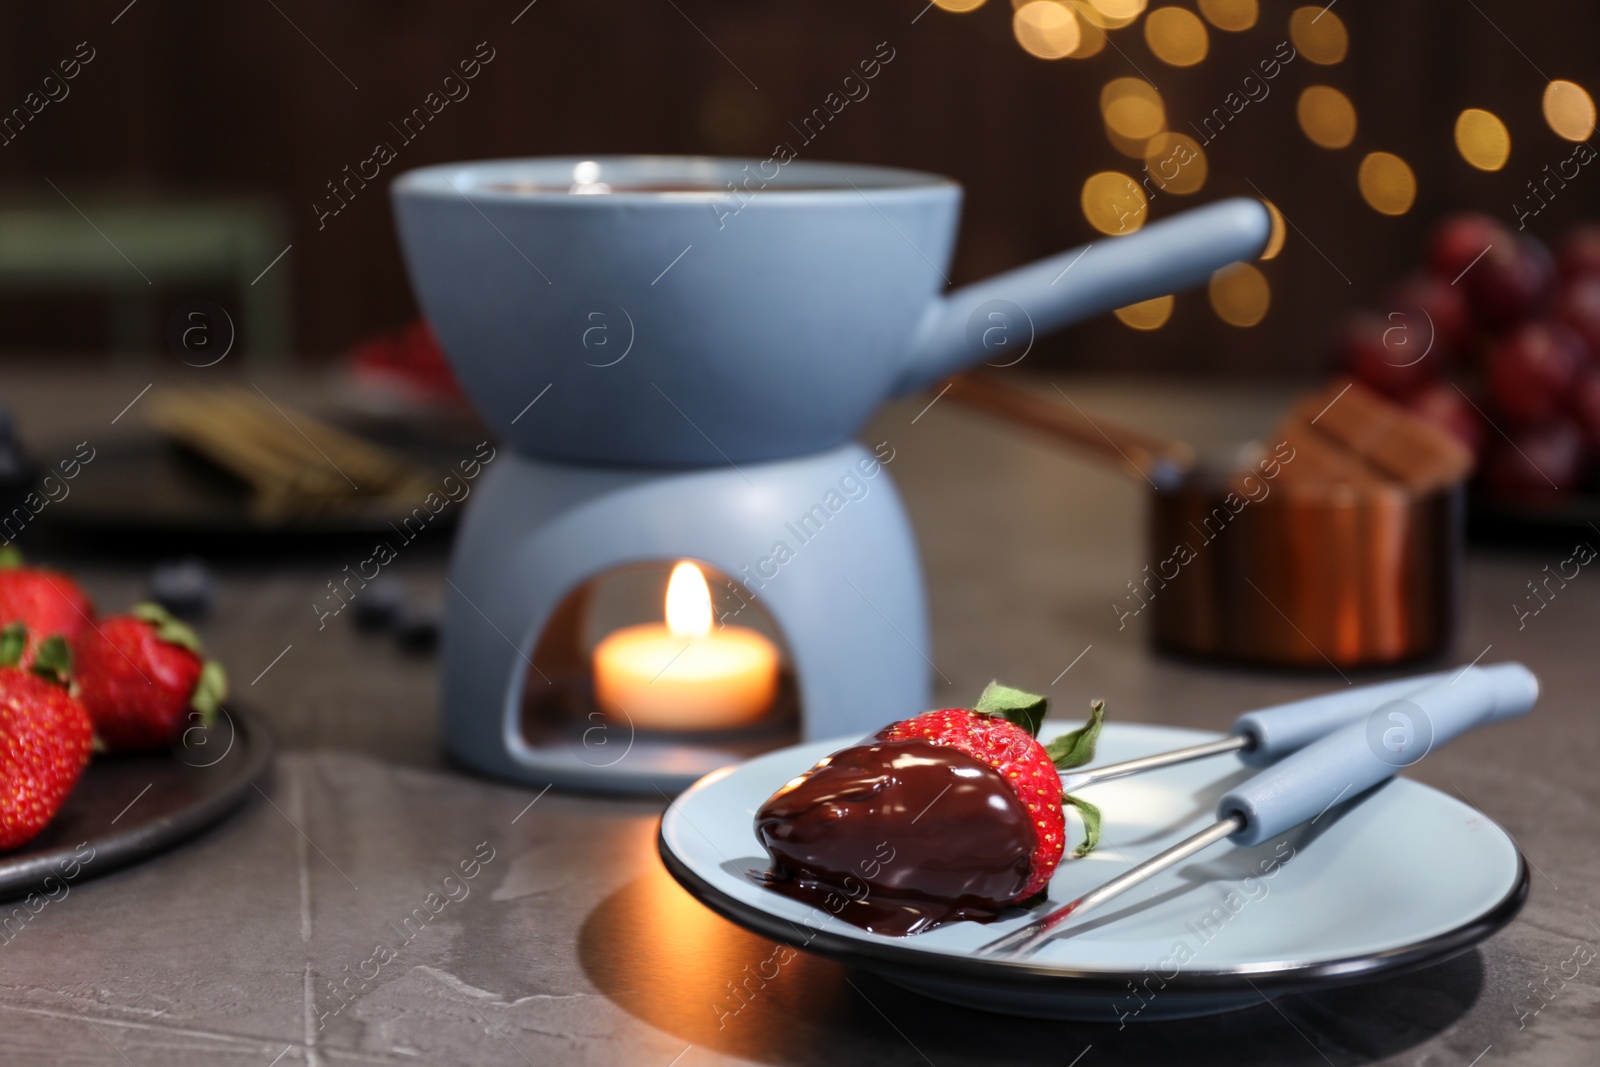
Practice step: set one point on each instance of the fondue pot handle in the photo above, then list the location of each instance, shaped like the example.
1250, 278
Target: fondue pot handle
1304, 785
1276, 731
996, 320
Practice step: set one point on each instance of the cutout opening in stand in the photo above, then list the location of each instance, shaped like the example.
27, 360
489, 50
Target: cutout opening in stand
670, 652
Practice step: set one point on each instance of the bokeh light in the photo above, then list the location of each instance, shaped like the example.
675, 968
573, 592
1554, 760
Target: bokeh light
1482, 139
1319, 35
1176, 36
1133, 113
1232, 15
1046, 29
1177, 162
1569, 109
1240, 295
1113, 14
1277, 235
1119, 9
1132, 147
1132, 107
959, 5
1326, 116
1091, 38
1113, 202
1147, 314
1387, 184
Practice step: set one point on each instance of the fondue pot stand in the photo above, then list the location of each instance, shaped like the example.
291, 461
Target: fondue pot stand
848, 600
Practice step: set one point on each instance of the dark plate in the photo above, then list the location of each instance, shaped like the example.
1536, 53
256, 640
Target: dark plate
126, 808
146, 487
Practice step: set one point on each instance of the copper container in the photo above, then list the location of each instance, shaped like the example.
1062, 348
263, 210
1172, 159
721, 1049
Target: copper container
1246, 568
1304, 576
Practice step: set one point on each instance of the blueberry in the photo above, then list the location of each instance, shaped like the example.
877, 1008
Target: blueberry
185, 587
15, 467
417, 629
379, 604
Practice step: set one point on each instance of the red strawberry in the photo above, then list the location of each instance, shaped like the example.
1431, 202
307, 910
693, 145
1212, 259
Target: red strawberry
143, 676
1021, 761
45, 602
44, 739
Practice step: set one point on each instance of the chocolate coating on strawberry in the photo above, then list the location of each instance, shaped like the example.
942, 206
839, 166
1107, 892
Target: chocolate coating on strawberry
1014, 754
898, 836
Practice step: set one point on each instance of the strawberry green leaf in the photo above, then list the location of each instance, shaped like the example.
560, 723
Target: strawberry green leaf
168, 628
13, 641
1077, 748
1025, 709
1091, 824
210, 691
10, 558
53, 660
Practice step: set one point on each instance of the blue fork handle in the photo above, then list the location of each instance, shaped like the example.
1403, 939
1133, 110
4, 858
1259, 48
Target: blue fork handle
1361, 754
1276, 731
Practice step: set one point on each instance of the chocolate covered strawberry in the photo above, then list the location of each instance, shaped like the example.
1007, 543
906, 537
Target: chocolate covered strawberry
144, 679
953, 814
44, 736
46, 602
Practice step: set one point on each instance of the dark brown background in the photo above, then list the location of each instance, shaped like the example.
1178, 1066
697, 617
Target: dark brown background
207, 97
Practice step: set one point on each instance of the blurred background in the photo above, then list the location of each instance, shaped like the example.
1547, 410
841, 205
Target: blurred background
228, 122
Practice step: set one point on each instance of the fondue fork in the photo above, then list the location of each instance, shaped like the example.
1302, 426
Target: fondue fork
1267, 734
1304, 785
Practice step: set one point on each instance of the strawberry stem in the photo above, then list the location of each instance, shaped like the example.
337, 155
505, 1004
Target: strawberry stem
13, 642
1025, 709
209, 691
52, 660
168, 627
1091, 824
1077, 748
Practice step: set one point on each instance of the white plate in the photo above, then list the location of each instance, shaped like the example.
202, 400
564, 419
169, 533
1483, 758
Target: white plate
1397, 879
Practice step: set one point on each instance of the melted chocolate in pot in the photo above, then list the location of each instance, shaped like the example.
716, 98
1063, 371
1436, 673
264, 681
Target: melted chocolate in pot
899, 836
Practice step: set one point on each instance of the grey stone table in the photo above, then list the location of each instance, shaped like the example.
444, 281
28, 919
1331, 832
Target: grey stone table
571, 945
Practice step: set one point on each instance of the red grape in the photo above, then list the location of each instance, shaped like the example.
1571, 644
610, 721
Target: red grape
1531, 370
1459, 240
1448, 408
1585, 406
1579, 256
1539, 463
1513, 282
1437, 310
1579, 308
1378, 353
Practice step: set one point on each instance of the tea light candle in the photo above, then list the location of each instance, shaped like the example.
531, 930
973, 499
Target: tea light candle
681, 675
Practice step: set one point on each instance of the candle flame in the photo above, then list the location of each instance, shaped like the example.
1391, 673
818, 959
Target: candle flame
688, 601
